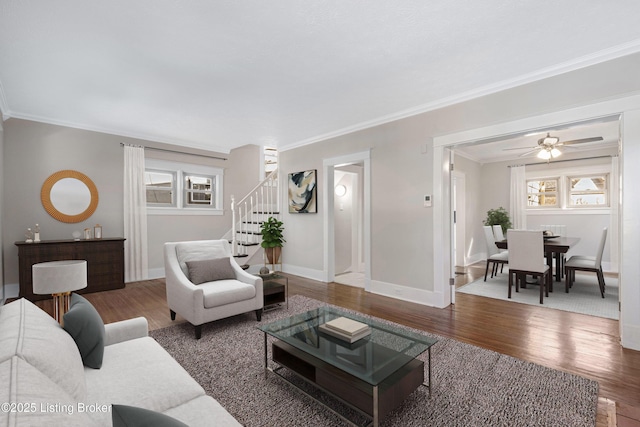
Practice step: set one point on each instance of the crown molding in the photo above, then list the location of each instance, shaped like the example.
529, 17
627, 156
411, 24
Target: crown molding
134, 135
544, 73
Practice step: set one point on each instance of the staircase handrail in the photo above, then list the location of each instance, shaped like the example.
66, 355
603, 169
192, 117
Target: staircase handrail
270, 178
262, 183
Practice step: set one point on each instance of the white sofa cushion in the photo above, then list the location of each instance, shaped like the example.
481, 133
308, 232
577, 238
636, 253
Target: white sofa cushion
31, 334
199, 250
44, 402
223, 292
139, 373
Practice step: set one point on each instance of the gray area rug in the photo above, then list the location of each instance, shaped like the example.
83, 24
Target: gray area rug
583, 297
471, 386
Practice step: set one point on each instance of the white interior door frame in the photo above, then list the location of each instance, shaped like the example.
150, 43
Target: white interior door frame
629, 243
329, 165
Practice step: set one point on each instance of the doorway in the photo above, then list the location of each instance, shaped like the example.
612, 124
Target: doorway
348, 225
350, 209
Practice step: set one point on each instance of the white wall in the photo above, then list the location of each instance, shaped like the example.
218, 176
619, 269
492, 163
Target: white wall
1, 209
343, 223
475, 194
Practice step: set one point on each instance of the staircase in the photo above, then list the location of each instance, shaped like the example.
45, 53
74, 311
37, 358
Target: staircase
248, 214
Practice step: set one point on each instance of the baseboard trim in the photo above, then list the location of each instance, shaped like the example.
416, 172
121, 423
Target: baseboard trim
11, 290
405, 293
630, 335
156, 273
307, 273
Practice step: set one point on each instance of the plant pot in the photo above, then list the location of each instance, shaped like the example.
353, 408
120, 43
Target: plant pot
273, 254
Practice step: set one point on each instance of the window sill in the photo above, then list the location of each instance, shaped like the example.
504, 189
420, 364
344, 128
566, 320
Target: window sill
570, 211
184, 211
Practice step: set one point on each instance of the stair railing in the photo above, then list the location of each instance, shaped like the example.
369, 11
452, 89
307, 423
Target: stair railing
253, 209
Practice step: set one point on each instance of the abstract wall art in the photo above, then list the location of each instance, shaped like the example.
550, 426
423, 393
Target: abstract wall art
302, 192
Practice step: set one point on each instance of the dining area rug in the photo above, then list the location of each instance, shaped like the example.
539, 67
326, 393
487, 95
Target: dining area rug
471, 386
583, 297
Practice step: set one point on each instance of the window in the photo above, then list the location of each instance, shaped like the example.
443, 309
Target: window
588, 191
198, 190
174, 188
581, 188
542, 193
161, 187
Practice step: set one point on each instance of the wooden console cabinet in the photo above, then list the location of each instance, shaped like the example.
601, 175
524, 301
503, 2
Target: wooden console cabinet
105, 262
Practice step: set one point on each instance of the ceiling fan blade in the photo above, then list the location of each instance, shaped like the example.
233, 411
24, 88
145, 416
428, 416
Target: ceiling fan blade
530, 152
581, 141
519, 148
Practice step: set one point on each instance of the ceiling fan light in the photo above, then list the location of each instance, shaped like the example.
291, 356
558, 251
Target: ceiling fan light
555, 152
544, 154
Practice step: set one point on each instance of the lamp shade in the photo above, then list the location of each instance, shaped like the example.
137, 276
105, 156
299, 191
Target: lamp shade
59, 276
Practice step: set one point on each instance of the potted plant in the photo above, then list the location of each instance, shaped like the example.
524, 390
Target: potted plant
498, 217
272, 239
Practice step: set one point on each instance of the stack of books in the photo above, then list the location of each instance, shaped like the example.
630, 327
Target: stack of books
346, 329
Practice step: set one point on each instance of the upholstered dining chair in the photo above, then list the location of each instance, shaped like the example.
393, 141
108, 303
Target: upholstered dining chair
526, 257
498, 235
495, 258
586, 263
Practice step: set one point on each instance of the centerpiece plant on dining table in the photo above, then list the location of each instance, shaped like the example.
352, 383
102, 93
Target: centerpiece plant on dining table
499, 217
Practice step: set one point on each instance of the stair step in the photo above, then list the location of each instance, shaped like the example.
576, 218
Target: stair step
241, 256
248, 244
249, 232
267, 213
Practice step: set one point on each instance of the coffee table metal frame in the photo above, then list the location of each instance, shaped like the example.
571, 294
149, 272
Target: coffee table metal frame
323, 314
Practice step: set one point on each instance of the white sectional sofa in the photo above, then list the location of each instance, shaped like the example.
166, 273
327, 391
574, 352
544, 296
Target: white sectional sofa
43, 381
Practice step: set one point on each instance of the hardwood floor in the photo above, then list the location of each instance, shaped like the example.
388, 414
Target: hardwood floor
575, 343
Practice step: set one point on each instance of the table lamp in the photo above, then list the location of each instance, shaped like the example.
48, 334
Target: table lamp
59, 278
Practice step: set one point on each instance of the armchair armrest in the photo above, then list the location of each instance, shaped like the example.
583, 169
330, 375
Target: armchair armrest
126, 330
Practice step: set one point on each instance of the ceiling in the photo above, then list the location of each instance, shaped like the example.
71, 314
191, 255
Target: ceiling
226, 73
522, 146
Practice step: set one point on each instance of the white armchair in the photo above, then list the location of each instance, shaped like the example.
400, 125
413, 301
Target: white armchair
228, 292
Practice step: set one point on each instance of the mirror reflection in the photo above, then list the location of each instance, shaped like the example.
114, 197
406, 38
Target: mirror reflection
70, 196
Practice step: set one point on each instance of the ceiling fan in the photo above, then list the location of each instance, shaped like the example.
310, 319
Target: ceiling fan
547, 147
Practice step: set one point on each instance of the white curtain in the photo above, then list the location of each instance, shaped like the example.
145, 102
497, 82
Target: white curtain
135, 215
518, 198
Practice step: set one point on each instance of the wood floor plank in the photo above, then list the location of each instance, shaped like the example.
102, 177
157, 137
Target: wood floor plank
575, 343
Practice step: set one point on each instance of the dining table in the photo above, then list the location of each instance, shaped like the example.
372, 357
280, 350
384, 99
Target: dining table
554, 248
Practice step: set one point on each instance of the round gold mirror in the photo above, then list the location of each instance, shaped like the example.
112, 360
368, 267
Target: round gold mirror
69, 196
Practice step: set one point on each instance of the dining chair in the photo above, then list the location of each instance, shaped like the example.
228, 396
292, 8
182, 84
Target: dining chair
586, 263
494, 256
498, 235
526, 257
557, 230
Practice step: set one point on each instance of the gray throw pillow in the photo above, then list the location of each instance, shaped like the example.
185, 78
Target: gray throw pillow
209, 270
86, 327
130, 416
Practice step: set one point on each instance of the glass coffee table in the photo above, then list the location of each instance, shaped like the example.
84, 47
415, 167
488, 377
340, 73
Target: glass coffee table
372, 375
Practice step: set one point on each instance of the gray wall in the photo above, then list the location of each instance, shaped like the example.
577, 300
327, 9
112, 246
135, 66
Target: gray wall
1, 210
401, 228
33, 151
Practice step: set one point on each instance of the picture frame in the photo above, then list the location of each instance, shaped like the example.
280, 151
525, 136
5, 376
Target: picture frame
302, 192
